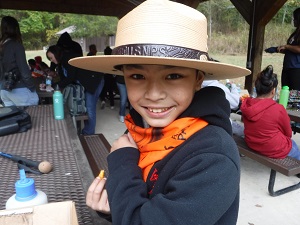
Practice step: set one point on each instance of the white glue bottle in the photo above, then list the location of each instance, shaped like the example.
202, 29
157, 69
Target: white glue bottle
26, 194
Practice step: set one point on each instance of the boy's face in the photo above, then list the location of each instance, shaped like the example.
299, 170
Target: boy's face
161, 93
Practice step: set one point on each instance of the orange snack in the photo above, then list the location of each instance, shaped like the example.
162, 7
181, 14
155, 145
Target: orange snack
101, 174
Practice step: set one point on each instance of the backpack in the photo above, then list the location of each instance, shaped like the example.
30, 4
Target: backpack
13, 120
74, 99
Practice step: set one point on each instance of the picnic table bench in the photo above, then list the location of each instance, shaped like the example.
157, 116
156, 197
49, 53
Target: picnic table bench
288, 166
79, 122
96, 148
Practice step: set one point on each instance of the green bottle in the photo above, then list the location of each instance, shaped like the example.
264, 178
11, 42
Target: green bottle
58, 104
284, 96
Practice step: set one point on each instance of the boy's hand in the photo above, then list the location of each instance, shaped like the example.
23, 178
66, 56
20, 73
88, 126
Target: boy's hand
125, 140
96, 196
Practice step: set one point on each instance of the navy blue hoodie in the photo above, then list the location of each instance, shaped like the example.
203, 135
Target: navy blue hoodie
197, 183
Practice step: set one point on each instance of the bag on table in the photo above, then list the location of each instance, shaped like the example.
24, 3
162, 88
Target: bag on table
14, 120
74, 99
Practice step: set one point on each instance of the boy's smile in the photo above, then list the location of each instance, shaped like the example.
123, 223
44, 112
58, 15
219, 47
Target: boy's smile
161, 93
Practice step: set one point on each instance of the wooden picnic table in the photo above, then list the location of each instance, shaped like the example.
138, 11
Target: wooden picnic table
294, 115
55, 141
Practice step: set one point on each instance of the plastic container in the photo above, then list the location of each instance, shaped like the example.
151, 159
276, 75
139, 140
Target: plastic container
228, 84
284, 96
48, 83
254, 95
26, 194
238, 88
58, 104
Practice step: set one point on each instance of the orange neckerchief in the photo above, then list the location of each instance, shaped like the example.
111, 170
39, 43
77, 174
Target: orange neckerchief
155, 143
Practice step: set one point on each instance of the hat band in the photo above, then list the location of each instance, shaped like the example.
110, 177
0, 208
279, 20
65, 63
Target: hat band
160, 51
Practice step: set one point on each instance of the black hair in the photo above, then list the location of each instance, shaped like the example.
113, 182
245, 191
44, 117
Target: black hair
92, 47
56, 51
10, 29
31, 62
266, 81
107, 50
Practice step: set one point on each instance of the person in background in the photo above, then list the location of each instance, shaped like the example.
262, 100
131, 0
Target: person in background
109, 85
267, 124
233, 97
290, 75
91, 81
123, 97
66, 43
18, 88
92, 50
107, 80
31, 64
291, 63
178, 163
39, 69
38, 60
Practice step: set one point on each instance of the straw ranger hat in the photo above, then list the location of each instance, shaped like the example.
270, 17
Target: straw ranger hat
161, 32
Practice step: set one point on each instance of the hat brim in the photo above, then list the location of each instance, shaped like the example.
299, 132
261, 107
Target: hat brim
108, 63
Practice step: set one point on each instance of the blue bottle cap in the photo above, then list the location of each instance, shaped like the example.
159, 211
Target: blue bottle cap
25, 188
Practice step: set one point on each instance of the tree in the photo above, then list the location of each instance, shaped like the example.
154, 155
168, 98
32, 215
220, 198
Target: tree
34, 26
91, 26
39, 28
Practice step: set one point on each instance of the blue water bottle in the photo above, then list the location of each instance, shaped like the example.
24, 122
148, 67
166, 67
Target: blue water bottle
284, 96
58, 104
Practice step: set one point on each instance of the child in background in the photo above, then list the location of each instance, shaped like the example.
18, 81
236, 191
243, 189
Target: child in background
178, 164
267, 124
233, 97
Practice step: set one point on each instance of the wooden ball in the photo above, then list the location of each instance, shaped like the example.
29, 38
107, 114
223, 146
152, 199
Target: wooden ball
45, 167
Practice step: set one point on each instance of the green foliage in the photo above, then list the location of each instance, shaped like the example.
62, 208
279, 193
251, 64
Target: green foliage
91, 26
228, 31
39, 28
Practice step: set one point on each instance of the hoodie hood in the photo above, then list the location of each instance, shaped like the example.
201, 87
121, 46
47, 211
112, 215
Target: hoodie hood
209, 104
254, 108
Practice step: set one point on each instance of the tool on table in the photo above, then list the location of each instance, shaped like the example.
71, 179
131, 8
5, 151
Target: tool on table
24, 163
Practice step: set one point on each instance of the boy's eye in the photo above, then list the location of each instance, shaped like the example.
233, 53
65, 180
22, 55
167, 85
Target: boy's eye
174, 76
137, 76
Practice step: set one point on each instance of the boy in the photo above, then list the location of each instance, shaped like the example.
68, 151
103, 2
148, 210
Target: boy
178, 164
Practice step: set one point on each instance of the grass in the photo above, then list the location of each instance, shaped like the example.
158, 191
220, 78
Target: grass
275, 60
238, 60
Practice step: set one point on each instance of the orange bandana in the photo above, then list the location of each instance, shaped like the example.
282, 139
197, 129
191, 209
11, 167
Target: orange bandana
155, 143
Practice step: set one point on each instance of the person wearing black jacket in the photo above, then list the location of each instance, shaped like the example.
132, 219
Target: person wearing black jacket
178, 163
18, 86
91, 81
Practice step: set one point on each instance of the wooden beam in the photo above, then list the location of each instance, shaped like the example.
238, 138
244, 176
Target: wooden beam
267, 9
262, 13
244, 7
254, 57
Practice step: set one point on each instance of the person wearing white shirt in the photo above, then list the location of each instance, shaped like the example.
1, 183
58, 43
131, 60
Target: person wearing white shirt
233, 97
